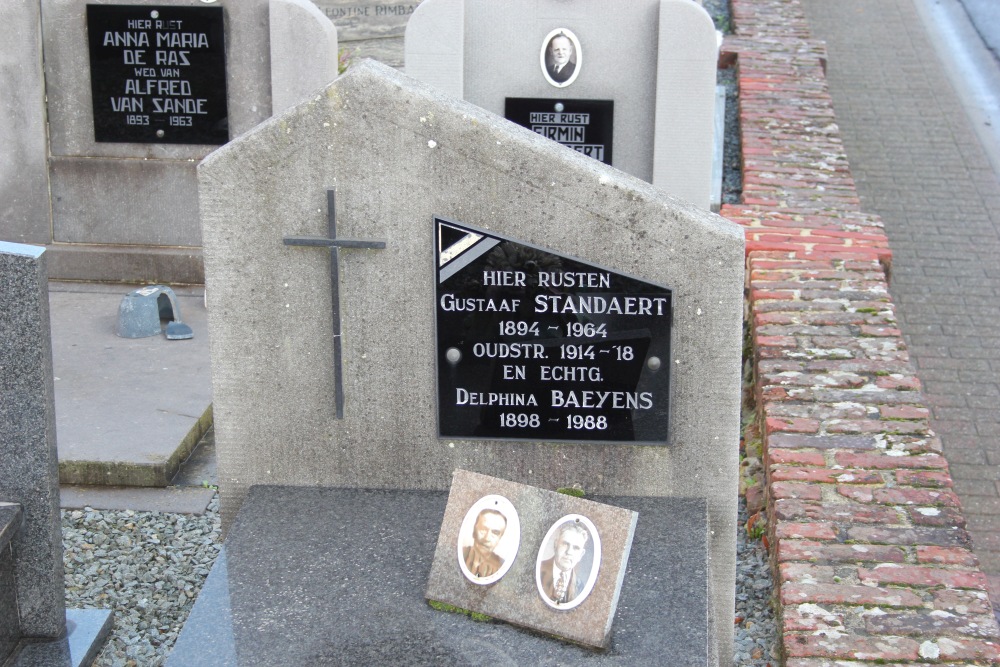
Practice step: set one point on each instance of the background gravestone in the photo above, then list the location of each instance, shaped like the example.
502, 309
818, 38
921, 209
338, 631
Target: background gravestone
299, 34
399, 153
23, 171
655, 59
107, 194
127, 210
371, 28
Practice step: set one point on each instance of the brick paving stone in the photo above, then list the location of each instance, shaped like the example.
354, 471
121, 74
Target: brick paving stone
929, 180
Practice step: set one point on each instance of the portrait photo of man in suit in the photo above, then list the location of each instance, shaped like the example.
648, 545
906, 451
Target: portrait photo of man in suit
486, 533
561, 58
488, 540
558, 576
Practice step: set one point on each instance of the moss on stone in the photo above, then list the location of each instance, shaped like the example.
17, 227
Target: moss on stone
452, 609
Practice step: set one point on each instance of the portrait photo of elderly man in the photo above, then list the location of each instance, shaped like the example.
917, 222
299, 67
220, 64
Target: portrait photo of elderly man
566, 577
488, 539
561, 57
479, 557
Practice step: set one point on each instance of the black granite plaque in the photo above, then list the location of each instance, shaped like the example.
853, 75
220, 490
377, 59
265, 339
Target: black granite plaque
158, 74
583, 125
534, 345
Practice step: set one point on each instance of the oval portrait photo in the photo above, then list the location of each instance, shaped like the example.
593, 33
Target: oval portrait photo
568, 562
561, 57
488, 539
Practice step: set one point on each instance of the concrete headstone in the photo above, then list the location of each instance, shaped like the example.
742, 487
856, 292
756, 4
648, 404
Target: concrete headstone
655, 59
23, 171
157, 204
371, 28
400, 153
303, 51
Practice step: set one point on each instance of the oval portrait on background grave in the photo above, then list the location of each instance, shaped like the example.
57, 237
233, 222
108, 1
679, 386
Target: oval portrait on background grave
561, 57
568, 562
488, 539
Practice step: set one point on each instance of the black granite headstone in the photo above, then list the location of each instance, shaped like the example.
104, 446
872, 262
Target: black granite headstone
534, 345
158, 74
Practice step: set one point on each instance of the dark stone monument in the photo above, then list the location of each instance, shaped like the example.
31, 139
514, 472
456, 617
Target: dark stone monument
35, 626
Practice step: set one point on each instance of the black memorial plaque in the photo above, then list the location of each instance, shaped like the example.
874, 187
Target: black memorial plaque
533, 345
583, 125
158, 74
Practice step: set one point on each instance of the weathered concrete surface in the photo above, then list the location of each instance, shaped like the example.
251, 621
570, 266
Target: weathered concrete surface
398, 154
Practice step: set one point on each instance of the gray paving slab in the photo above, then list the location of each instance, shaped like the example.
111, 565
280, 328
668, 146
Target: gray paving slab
913, 118
176, 499
128, 411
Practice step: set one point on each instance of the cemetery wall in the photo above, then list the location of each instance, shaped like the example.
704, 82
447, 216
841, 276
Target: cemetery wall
865, 534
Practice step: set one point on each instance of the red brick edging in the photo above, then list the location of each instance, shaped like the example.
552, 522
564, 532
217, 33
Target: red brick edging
868, 540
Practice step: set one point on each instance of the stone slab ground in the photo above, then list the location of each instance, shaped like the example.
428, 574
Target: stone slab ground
129, 411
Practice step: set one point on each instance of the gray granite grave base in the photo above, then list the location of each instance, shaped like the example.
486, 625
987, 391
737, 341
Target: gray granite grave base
10, 521
86, 632
312, 576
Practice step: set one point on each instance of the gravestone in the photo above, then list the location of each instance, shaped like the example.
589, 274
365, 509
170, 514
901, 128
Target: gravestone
370, 28
24, 199
133, 95
287, 267
640, 77
300, 35
33, 615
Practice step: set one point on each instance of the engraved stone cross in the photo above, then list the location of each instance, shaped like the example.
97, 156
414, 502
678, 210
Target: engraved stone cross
335, 245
